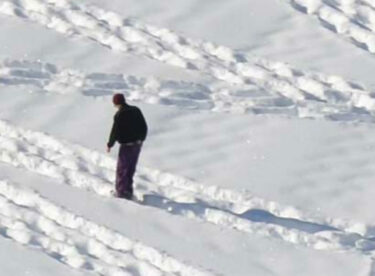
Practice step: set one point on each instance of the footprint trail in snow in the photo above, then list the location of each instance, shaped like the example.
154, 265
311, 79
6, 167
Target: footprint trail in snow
90, 170
244, 84
31, 220
348, 101
281, 88
353, 20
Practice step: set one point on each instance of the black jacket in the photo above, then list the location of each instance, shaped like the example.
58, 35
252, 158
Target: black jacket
129, 126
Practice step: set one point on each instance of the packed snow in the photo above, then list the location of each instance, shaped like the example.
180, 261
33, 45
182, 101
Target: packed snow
259, 156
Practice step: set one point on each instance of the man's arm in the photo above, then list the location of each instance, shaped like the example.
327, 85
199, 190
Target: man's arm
143, 125
114, 133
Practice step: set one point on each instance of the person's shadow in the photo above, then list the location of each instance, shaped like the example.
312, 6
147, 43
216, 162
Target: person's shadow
199, 210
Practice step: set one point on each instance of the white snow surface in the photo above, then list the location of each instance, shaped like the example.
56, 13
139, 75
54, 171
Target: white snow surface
259, 159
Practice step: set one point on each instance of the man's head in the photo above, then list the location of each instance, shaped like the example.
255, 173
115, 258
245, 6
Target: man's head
118, 100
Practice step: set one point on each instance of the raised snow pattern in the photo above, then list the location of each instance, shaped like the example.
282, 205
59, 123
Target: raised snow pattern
240, 210
244, 84
339, 99
284, 90
351, 19
31, 220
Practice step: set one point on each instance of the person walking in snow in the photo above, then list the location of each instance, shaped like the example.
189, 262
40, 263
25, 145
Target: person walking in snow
129, 130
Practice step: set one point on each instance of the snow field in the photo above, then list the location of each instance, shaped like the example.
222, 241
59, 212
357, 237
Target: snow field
286, 90
340, 99
29, 219
77, 166
244, 84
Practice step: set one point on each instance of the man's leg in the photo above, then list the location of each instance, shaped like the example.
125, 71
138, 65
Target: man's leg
126, 166
134, 152
121, 172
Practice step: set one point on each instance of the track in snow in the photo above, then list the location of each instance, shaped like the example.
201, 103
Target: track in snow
349, 101
250, 85
353, 20
31, 220
90, 170
282, 89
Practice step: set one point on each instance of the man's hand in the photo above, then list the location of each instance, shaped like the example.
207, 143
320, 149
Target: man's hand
108, 149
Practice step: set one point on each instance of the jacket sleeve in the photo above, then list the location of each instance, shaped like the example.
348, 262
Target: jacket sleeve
144, 127
114, 133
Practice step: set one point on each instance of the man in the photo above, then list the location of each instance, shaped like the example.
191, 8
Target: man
130, 130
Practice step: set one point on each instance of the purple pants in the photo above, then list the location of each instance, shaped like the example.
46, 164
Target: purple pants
126, 165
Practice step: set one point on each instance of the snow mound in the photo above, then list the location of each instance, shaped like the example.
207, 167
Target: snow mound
90, 170
351, 19
292, 92
329, 97
31, 220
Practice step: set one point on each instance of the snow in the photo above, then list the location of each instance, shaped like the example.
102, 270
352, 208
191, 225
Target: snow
267, 28
218, 247
64, 52
259, 155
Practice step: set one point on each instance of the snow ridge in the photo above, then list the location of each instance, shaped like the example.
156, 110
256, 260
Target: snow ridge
87, 169
32, 220
342, 101
287, 90
351, 19
243, 83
